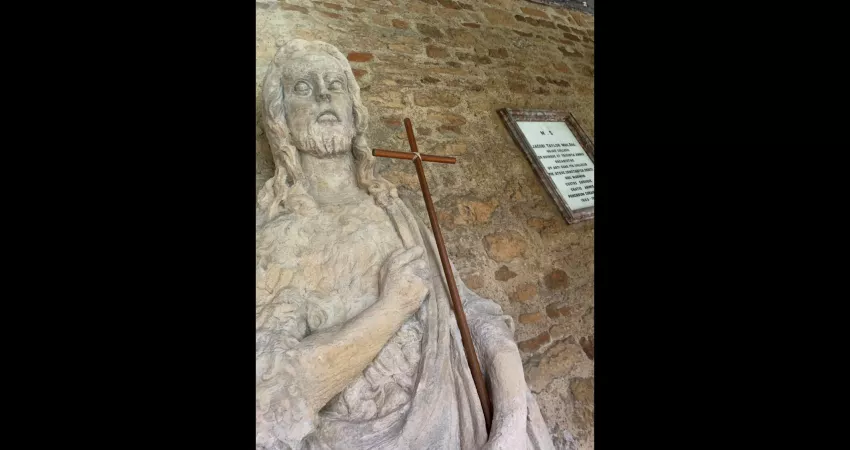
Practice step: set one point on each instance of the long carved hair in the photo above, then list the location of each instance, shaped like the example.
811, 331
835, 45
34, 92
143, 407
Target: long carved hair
286, 190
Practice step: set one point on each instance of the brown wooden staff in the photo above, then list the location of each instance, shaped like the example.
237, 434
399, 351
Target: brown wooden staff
460, 315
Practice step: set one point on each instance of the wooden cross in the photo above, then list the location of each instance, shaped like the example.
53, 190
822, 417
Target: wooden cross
460, 315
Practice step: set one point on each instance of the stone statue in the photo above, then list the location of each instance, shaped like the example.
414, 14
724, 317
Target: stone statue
357, 346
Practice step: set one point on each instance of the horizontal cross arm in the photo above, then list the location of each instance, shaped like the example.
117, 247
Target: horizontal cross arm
410, 155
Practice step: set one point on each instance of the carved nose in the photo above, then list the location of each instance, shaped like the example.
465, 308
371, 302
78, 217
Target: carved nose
323, 95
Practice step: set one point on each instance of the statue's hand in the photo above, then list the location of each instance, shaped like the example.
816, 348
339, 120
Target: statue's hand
404, 280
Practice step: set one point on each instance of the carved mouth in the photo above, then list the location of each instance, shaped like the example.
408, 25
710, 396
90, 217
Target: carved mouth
327, 117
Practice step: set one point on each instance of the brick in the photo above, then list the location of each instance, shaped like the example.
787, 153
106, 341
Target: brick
523, 34
380, 20
391, 121
528, 20
398, 23
356, 10
434, 51
360, 57
584, 69
420, 8
498, 53
455, 149
430, 80
534, 344
359, 73
289, 7
573, 53
448, 119
555, 310
504, 274
561, 67
435, 98
462, 38
332, 6
473, 58
449, 129
497, 16
473, 281
524, 293
331, 15
429, 30
410, 49
471, 25
449, 4
578, 17
530, 318
518, 87
534, 12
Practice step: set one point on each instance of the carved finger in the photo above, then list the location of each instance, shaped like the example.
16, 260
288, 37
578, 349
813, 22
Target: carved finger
420, 268
406, 257
390, 262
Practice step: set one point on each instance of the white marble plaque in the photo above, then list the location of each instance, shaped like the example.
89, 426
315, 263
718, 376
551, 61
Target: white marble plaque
564, 161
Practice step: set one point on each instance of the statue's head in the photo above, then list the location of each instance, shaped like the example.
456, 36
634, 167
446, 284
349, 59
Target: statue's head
311, 103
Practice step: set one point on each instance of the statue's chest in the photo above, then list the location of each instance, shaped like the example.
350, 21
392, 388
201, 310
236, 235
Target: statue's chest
336, 259
345, 259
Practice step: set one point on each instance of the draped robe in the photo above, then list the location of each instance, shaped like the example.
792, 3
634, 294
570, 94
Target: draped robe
418, 392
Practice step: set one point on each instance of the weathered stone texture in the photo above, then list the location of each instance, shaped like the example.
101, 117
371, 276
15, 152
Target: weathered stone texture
449, 65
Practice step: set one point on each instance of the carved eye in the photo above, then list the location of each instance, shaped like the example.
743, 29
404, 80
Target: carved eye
302, 88
335, 85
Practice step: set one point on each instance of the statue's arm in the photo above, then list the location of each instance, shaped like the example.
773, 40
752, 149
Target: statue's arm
306, 371
296, 378
492, 332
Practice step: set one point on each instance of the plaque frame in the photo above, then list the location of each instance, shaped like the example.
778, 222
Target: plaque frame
512, 115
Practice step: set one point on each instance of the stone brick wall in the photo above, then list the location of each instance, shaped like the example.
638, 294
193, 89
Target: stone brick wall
449, 65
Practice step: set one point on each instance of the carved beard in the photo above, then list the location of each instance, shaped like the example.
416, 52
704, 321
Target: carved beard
323, 140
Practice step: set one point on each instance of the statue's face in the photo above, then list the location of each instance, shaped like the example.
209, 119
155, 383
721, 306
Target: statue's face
317, 104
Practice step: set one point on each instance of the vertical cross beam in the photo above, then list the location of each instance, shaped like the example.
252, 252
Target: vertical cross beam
460, 315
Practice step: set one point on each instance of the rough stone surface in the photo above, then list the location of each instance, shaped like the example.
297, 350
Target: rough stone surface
472, 130
530, 318
557, 309
587, 346
557, 279
435, 98
534, 344
534, 12
498, 53
434, 51
524, 293
504, 274
504, 246
498, 16
429, 30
